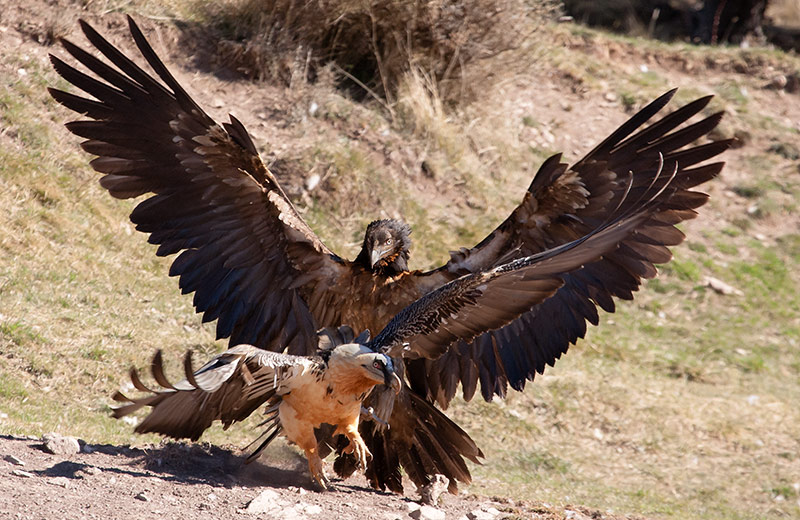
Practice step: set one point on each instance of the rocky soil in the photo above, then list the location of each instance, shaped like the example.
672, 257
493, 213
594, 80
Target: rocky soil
61, 477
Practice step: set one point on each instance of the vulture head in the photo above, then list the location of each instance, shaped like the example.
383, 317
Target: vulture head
361, 363
385, 248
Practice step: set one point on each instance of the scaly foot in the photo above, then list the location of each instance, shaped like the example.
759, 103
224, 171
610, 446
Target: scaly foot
360, 450
317, 469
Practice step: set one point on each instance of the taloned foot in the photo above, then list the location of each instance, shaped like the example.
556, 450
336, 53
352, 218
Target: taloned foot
359, 450
315, 466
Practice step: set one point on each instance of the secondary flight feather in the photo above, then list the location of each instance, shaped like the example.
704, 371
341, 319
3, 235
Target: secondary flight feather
257, 268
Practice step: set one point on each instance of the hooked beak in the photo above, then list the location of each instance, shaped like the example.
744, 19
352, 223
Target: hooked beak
375, 256
393, 382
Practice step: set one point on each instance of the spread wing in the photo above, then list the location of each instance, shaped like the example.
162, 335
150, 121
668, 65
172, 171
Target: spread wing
562, 204
228, 388
488, 300
244, 250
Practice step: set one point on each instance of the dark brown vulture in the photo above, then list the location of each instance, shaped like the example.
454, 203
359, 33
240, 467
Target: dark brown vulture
256, 267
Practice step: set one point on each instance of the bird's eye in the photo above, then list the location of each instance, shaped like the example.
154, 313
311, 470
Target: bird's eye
388, 242
377, 364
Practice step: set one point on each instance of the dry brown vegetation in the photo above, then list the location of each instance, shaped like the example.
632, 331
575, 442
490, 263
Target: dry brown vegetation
374, 44
681, 405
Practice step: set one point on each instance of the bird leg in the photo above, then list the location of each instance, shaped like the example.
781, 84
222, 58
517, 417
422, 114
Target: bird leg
315, 466
301, 432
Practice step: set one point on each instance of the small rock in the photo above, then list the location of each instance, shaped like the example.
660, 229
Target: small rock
290, 513
20, 473
412, 506
59, 481
298, 490
610, 96
141, 496
312, 182
60, 445
313, 108
721, 287
14, 460
779, 82
267, 500
92, 470
480, 514
312, 509
427, 513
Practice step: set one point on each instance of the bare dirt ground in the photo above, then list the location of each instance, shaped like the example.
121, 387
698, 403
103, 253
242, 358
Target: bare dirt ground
196, 482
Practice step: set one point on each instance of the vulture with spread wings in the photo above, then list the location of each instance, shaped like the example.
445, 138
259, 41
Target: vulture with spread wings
305, 393
256, 267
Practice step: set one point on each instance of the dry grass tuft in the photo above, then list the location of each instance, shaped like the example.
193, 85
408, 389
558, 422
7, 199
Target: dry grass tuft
785, 13
374, 44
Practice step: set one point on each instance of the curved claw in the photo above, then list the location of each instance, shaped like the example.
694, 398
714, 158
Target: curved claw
360, 451
315, 466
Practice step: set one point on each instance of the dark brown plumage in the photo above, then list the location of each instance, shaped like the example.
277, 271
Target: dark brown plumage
304, 393
256, 267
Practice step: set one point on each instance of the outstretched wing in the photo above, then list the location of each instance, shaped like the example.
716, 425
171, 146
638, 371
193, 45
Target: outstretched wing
562, 204
228, 388
243, 247
480, 302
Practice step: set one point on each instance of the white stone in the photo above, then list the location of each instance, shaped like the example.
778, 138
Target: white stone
312, 181
14, 460
312, 509
427, 513
267, 500
59, 481
60, 445
721, 287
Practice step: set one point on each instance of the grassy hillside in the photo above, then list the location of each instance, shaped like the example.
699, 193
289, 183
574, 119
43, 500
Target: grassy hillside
682, 404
